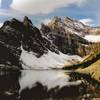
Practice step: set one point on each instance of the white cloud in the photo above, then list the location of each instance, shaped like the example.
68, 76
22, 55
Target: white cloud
4, 13
87, 21
9, 13
45, 21
0, 3
41, 6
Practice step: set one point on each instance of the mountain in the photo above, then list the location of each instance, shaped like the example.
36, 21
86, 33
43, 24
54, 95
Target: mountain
61, 42
67, 34
14, 34
22, 45
69, 24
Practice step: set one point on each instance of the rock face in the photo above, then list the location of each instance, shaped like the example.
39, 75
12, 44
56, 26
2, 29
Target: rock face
14, 34
66, 35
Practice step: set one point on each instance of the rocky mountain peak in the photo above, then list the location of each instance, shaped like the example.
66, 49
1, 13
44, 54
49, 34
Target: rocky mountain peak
56, 19
68, 24
27, 22
15, 35
65, 34
45, 29
65, 19
13, 22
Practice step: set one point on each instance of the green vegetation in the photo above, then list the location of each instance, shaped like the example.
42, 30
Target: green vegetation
86, 62
89, 66
93, 70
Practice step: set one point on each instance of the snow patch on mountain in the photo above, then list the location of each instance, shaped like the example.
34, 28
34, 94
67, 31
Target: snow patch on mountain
49, 60
92, 38
1, 24
87, 21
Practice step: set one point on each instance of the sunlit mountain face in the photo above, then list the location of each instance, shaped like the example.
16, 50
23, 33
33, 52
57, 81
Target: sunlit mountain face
49, 50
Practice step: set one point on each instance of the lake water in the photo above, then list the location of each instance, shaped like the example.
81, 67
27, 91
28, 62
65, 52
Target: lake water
39, 85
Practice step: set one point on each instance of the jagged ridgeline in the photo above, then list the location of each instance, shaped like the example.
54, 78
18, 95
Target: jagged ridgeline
23, 44
15, 34
68, 35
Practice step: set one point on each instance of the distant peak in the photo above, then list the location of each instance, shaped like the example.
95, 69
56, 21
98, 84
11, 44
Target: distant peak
68, 18
56, 19
14, 20
27, 21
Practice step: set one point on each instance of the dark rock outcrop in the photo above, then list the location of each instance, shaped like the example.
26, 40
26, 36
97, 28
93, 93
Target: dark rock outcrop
14, 34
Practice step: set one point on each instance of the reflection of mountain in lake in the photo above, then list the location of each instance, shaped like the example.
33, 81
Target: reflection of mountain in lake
54, 84
44, 85
37, 84
9, 85
48, 78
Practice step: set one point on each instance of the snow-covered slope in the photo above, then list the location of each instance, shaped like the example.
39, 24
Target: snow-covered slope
92, 38
50, 60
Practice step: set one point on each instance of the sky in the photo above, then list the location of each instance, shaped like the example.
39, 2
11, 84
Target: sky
86, 11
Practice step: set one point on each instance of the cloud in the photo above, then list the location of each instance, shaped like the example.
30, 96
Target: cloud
87, 21
42, 6
45, 21
4, 12
9, 13
0, 3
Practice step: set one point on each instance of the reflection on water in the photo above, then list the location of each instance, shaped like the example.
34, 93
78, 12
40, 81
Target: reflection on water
40, 84
48, 78
37, 85
9, 85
